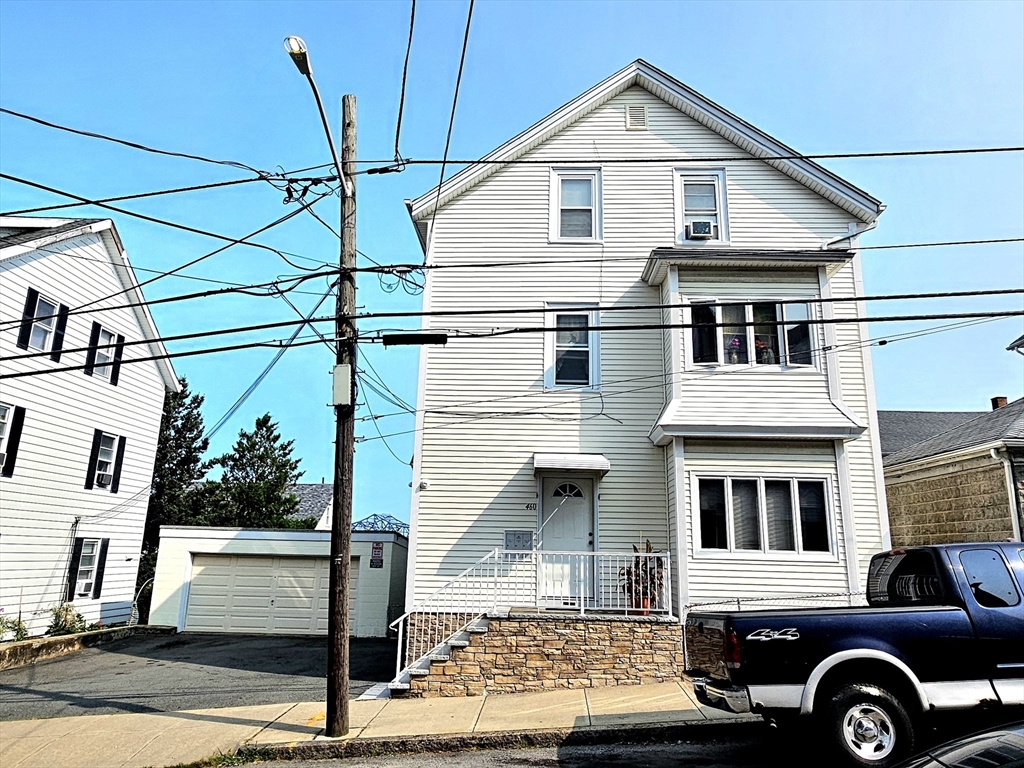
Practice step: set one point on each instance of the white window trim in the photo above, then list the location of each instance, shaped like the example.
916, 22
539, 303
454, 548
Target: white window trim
53, 323
593, 339
113, 461
102, 369
832, 556
717, 175
5, 429
813, 312
554, 202
95, 563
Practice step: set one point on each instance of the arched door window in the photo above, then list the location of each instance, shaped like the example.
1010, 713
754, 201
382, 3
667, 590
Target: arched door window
570, 490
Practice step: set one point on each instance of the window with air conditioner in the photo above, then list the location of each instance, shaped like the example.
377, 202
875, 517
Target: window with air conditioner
105, 460
6, 412
701, 211
87, 568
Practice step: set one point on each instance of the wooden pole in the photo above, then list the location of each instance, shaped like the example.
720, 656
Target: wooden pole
344, 444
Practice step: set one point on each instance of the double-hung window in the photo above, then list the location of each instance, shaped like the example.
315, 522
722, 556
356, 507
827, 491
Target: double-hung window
5, 419
701, 211
104, 353
44, 323
572, 349
763, 514
87, 568
105, 459
576, 205
759, 333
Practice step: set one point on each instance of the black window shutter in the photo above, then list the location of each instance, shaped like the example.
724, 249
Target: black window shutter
118, 461
115, 368
58, 333
26, 318
90, 356
76, 559
94, 455
13, 439
101, 565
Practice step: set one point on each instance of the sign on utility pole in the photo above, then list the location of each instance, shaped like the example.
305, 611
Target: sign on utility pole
344, 441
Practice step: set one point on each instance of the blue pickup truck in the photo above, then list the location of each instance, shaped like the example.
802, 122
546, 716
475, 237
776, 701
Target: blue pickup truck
943, 630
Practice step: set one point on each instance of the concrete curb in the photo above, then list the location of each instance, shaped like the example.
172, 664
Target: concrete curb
462, 742
43, 648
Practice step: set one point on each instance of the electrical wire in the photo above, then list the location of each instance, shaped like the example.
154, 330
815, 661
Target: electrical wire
266, 371
381, 434
603, 329
405, 75
451, 120
132, 144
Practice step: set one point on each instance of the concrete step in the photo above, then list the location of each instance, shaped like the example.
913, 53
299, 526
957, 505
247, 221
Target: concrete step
439, 658
398, 687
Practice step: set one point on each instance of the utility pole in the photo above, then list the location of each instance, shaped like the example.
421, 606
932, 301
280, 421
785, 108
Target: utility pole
344, 401
344, 440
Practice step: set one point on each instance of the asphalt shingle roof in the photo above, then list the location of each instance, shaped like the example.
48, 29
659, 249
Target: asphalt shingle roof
899, 430
1006, 423
20, 235
313, 499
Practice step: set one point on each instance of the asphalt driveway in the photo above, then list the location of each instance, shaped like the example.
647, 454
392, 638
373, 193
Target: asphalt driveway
160, 673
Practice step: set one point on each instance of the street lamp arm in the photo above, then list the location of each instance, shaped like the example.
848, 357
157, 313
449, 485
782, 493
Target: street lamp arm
346, 187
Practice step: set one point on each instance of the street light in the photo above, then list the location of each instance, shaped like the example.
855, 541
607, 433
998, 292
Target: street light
296, 48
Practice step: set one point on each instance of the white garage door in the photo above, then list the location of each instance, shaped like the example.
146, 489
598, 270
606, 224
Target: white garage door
257, 594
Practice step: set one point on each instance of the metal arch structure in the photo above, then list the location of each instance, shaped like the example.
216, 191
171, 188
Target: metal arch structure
381, 524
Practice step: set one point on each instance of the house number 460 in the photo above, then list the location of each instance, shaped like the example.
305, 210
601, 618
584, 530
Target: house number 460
531, 506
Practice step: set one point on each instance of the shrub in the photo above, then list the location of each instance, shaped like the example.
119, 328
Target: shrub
66, 620
16, 627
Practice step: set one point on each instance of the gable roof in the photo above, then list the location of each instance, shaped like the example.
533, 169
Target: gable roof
314, 499
23, 234
713, 116
898, 430
1002, 425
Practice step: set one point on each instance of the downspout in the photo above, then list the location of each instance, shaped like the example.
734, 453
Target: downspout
1011, 491
849, 235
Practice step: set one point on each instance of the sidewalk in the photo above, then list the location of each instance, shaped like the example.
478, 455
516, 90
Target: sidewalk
598, 715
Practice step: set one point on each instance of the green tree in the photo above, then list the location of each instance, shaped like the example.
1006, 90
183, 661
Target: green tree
256, 477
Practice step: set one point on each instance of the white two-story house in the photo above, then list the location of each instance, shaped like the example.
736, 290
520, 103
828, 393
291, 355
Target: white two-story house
80, 413
672, 373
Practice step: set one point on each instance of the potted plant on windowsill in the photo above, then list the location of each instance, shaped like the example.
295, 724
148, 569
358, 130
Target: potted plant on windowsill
643, 580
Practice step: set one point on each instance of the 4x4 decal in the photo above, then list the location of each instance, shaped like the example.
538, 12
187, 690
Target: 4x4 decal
774, 634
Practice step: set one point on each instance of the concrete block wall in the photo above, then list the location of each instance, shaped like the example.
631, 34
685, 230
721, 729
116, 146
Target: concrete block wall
964, 500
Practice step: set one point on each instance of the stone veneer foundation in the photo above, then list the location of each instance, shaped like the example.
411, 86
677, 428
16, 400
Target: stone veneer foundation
537, 652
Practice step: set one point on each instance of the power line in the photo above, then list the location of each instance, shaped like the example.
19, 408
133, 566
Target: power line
373, 420
405, 75
132, 144
715, 159
263, 374
451, 120
505, 332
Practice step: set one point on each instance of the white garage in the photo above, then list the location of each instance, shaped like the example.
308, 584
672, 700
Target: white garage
260, 581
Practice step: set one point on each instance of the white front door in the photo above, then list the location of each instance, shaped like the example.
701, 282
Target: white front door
567, 528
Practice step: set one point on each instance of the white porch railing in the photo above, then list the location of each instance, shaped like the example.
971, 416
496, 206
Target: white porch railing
505, 580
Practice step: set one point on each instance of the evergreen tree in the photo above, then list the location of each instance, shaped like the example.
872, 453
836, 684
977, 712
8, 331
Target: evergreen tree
256, 477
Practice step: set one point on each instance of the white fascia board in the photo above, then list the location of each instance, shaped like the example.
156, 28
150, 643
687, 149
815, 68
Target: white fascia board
32, 222
241, 534
893, 471
746, 431
741, 133
13, 251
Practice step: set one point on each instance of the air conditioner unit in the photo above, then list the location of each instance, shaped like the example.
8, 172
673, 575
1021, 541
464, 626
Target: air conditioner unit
700, 230
103, 479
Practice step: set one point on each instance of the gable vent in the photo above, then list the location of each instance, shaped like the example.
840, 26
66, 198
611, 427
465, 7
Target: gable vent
636, 117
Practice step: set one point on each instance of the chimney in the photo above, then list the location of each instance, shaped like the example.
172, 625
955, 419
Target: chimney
998, 402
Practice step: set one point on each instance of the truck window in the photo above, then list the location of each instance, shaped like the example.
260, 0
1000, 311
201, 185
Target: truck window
904, 578
990, 582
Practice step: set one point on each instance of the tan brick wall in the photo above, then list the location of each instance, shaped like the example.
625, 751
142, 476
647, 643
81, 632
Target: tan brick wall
962, 501
516, 655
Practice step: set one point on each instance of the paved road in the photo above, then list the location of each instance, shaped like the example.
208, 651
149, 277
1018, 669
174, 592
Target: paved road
753, 748
160, 673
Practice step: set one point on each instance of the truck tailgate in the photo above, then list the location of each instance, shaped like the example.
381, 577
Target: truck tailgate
705, 646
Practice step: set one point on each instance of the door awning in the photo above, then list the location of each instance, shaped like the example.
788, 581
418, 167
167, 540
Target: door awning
577, 462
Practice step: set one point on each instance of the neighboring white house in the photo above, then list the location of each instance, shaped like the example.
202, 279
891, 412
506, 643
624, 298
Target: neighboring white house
737, 440
78, 433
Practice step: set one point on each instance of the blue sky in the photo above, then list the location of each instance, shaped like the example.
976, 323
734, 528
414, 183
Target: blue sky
213, 79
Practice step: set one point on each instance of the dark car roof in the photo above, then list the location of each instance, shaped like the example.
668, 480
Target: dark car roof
1000, 747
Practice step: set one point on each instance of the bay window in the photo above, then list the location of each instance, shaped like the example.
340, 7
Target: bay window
763, 514
758, 333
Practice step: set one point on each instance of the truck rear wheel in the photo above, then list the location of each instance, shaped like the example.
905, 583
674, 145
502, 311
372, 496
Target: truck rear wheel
869, 726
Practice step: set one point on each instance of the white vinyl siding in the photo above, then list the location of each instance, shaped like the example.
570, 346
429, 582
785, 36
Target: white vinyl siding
715, 575
487, 410
46, 494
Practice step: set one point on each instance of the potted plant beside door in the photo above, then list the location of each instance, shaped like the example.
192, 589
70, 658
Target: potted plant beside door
643, 580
